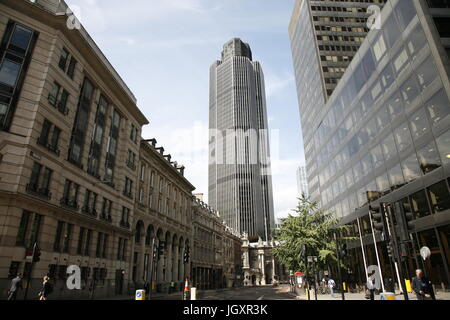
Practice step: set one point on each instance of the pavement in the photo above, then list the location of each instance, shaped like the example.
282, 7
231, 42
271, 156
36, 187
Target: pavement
281, 292
361, 296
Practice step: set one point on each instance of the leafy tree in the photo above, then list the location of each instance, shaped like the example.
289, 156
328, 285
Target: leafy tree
310, 226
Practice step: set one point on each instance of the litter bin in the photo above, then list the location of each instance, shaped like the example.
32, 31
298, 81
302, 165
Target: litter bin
140, 295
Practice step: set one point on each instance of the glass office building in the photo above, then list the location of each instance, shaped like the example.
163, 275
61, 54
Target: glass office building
386, 130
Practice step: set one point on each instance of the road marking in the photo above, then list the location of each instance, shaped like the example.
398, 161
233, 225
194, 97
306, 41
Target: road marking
260, 298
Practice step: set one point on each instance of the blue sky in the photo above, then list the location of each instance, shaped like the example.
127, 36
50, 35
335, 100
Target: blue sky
163, 50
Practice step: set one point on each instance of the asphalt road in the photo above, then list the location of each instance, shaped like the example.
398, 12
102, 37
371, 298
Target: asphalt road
248, 293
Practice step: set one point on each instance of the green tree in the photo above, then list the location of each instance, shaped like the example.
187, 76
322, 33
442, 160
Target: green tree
311, 226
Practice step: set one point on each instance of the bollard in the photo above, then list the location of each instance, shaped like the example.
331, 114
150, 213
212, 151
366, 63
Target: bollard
193, 293
408, 286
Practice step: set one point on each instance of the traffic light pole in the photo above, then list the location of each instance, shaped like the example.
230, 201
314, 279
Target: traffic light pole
30, 271
397, 252
339, 266
306, 272
376, 248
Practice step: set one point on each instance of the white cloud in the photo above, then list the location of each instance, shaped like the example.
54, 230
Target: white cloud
276, 83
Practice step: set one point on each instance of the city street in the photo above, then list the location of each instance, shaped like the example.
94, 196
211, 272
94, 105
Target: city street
247, 293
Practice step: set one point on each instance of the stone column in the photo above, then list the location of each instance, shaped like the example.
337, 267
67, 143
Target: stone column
169, 263
141, 260
175, 263
263, 270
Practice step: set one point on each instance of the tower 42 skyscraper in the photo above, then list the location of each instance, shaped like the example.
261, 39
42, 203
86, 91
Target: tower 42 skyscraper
240, 184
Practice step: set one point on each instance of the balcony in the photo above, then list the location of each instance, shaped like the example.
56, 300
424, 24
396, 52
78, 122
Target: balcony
69, 204
128, 194
40, 192
62, 107
89, 211
125, 225
131, 165
48, 146
106, 217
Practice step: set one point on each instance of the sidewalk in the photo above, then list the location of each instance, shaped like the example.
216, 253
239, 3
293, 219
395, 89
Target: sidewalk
361, 296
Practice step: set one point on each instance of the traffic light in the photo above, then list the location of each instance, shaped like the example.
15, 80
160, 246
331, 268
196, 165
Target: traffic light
378, 217
390, 250
161, 248
405, 217
186, 255
37, 255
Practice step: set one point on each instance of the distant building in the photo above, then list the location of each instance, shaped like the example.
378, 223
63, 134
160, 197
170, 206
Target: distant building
260, 266
302, 182
240, 181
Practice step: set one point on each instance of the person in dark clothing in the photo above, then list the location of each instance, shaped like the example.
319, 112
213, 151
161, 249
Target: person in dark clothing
46, 289
16, 284
422, 286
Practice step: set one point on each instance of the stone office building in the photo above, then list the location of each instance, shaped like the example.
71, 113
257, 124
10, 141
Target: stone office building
216, 262
162, 220
67, 124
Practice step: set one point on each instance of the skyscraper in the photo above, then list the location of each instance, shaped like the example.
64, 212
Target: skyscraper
325, 36
302, 182
240, 184
383, 136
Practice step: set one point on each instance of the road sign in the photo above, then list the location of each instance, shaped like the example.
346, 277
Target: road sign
425, 252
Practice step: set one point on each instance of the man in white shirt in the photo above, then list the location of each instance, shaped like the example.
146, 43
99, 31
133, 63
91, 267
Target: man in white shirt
331, 285
371, 287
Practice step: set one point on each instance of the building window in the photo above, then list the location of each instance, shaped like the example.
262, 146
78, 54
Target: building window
133, 133
131, 157
54, 93
105, 248
128, 188
443, 143
106, 210
87, 248
81, 241
59, 232
29, 229
63, 59
437, 107
81, 124
97, 137
16, 50
90, 203
150, 200
23, 228
112, 146
142, 173
439, 197
429, 158
141, 195
67, 238
124, 222
100, 245
71, 68
40, 181
49, 137
70, 195
419, 204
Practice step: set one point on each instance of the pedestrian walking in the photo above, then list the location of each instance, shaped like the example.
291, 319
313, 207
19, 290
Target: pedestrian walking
371, 288
15, 285
46, 290
422, 287
331, 285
